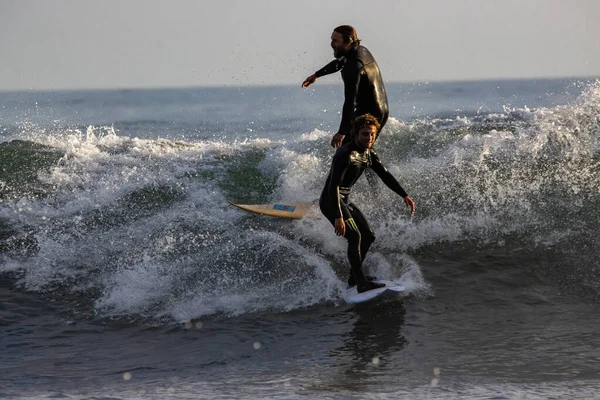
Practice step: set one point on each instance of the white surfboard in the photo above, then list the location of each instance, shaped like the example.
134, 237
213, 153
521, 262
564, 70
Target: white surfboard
281, 210
352, 296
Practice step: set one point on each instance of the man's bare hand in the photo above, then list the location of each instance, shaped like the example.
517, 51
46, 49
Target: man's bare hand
410, 203
309, 81
340, 227
337, 140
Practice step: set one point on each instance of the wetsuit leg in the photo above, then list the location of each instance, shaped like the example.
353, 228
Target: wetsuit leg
354, 233
366, 239
360, 236
347, 138
366, 233
354, 236
382, 120
371, 176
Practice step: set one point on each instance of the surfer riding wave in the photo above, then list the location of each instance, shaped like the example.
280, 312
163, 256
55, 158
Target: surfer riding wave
349, 162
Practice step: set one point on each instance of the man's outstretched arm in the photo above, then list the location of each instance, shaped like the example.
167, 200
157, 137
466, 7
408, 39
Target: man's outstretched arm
390, 181
330, 68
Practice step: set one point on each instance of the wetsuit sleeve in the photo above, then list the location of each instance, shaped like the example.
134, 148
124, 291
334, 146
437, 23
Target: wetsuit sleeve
331, 68
338, 168
385, 175
351, 76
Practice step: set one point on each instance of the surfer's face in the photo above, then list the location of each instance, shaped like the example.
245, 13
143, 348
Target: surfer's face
366, 136
338, 45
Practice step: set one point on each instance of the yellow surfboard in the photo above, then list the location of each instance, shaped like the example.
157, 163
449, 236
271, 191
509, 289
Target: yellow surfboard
281, 210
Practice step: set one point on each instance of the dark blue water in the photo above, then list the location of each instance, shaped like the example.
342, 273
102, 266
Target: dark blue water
124, 272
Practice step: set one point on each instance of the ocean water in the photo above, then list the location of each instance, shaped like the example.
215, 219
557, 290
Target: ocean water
125, 273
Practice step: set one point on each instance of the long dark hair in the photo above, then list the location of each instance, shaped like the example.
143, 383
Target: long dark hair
348, 34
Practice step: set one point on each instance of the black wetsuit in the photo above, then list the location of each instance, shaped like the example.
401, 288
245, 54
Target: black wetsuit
363, 88
348, 164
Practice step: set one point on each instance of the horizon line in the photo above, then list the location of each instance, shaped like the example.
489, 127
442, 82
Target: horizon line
234, 86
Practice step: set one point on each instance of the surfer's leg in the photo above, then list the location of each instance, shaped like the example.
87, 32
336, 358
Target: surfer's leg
353, 237
359, 236
367, 236
372, 178
382, 120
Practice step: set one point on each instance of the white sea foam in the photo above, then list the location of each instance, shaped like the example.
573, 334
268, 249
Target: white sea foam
146, 224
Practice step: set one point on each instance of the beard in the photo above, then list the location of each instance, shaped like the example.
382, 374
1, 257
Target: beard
337, 53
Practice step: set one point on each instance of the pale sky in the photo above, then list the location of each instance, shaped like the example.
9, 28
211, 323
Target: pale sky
71, 44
